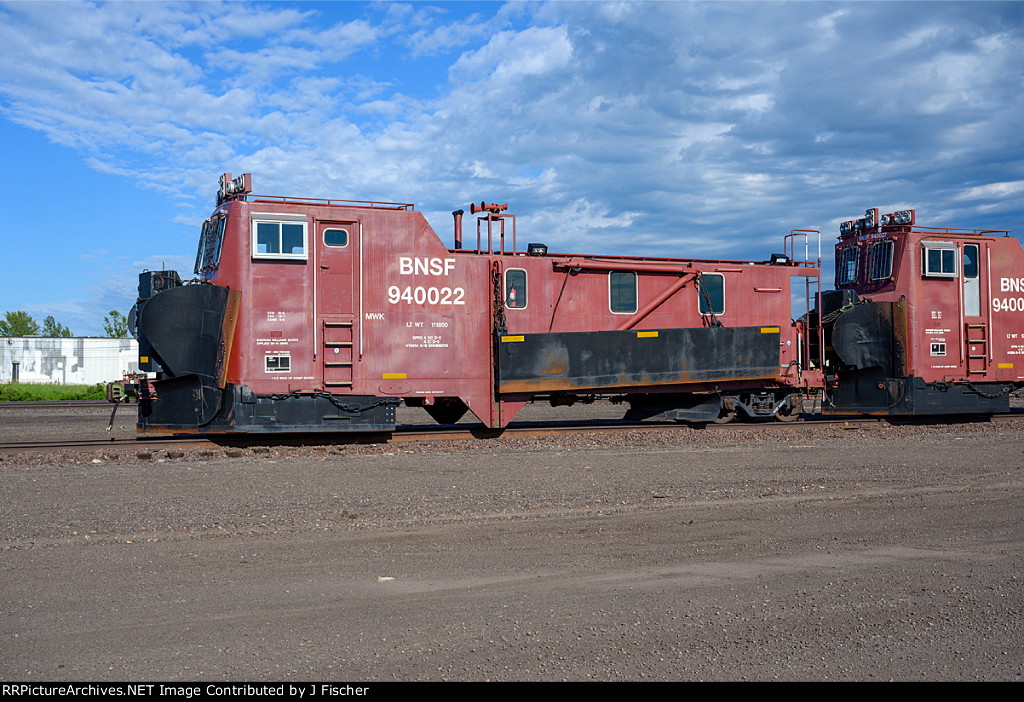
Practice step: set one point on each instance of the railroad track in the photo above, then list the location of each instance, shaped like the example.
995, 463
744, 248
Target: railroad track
421, 433
55, 404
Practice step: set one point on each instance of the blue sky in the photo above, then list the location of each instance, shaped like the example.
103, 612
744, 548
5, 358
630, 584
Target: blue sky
665, 128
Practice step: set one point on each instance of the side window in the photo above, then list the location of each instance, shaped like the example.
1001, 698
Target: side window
279, 236
210, 242
970, 260
711, 292
515, 288
938, 259
221, 224
622, 292
336, 237
846, 266
972, 282
880, 261
202, 250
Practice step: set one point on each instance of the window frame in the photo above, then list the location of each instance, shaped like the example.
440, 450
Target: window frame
526, 295
211, 242
841, 279
711, 311
941, 246
280, 219
976, 262
874, 275
636, 292
348, 237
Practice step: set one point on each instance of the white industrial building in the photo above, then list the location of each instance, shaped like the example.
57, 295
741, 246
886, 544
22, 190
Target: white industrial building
66, 361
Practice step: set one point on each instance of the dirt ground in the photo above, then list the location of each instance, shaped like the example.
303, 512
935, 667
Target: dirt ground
892, 553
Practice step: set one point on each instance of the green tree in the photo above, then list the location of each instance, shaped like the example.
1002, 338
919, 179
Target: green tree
115, 325
18, 324
52, 328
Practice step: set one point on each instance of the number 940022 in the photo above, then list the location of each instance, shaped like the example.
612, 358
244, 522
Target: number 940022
422, 295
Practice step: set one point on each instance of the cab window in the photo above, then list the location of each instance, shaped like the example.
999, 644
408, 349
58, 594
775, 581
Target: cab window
938, 259
846, 266
279, 236
880, 261
210, 242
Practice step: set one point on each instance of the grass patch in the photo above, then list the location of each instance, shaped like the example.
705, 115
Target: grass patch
22, 392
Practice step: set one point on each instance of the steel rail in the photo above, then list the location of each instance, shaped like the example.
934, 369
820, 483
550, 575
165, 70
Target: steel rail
54, 404
427, 433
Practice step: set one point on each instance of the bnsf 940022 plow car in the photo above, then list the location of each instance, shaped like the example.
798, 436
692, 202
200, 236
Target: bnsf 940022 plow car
923, 320
325, 315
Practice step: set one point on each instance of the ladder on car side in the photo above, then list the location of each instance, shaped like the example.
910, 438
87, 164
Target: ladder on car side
976, 342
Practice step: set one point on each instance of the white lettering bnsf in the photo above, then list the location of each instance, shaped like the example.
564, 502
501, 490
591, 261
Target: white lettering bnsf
407, 265
426, 294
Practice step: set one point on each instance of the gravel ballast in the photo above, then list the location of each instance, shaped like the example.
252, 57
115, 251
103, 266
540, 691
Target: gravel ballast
821, 553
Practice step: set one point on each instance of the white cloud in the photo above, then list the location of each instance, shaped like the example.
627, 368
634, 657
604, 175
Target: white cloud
604, 124
993, 191
510, 55
437, 39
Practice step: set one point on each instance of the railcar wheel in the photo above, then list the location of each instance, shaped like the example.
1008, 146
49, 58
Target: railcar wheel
725, 417
789, 412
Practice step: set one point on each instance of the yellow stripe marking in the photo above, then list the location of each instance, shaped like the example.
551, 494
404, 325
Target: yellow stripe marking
393, 376
646, 334
506, 339
1006, 365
